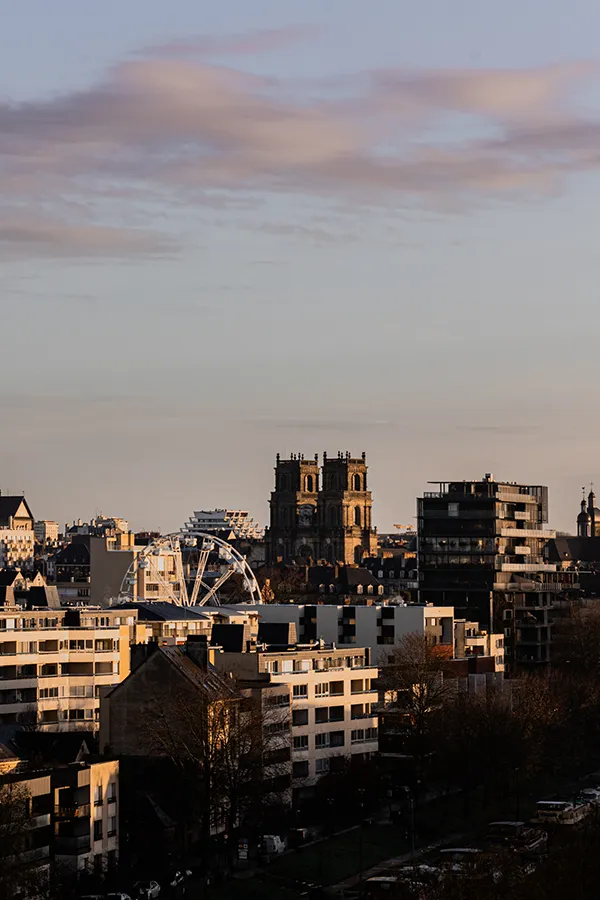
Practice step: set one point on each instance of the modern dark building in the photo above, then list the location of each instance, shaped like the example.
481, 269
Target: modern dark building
479, 541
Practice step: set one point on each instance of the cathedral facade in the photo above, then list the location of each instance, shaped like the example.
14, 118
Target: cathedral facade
321, 513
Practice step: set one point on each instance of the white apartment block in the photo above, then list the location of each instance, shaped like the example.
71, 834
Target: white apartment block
213, 521
333, 697
17, 537
378, 627
53, 663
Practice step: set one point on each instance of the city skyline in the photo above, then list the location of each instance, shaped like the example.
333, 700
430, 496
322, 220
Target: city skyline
234, 231
261, 513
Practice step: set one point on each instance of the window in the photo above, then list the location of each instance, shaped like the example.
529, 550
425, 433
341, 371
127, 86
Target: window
46, 693
322, 689
356, 711
356, 483
322, 766
112, 792
357, 517
336, 738
336, 688
300, 717
357, 686
309, 483
358, 736
98, 830
336, 713
300, 690
98, 795
301, 742
300, 769
112, 825
321, 741
499, 644
453, 510
321, 715
370, 734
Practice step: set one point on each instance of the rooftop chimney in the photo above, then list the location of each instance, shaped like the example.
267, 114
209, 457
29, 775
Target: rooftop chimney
196, 648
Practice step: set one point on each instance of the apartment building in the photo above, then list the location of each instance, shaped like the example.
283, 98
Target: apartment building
17, 536
479, 539
238, 523
169, 623
86, 817
53, 663
68, 804
378, 627
333, 697
470, 640
46, 532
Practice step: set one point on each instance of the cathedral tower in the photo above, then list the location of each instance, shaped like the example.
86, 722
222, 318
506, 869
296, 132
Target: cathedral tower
344, 511
293, 521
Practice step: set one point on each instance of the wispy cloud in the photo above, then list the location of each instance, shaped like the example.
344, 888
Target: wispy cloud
248, 43
174, 125
24, 236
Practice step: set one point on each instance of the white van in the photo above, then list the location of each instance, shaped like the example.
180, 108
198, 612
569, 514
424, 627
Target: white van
272, 844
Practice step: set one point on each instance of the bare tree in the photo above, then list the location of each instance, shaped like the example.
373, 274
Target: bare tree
229, 753
414, 688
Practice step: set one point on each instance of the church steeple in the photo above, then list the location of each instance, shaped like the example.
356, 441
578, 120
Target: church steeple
584, 519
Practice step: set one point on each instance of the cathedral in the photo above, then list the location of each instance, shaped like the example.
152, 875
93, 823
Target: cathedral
588, 520
321, 513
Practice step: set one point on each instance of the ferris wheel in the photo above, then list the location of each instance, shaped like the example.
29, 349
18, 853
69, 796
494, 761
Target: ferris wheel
187, 570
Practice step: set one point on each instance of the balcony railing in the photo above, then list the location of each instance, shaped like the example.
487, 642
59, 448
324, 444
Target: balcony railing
73, 812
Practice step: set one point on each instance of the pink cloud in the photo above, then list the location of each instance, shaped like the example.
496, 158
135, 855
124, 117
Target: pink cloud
172, 128
37, 237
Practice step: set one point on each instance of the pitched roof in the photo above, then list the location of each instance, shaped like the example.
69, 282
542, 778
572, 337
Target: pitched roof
53, 747
574, 549
208, 679
8, 576
9, 506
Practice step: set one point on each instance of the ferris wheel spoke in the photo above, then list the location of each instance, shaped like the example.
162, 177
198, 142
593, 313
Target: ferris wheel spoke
218, 583
171, 545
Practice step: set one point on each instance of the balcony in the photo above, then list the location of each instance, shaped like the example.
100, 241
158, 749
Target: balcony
73, 812
72, 846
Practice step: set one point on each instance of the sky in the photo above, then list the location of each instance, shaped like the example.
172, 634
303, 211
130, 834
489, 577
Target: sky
231, 230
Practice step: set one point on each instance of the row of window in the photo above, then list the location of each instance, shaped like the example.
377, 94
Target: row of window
325, 714
9, 648
53, 622
322, 664
334, 688
50, 670
111, 830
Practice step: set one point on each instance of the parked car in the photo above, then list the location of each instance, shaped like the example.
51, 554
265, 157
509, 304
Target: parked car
118, 895
517, 836
469, 862
591, 796
560, 812
147, 890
